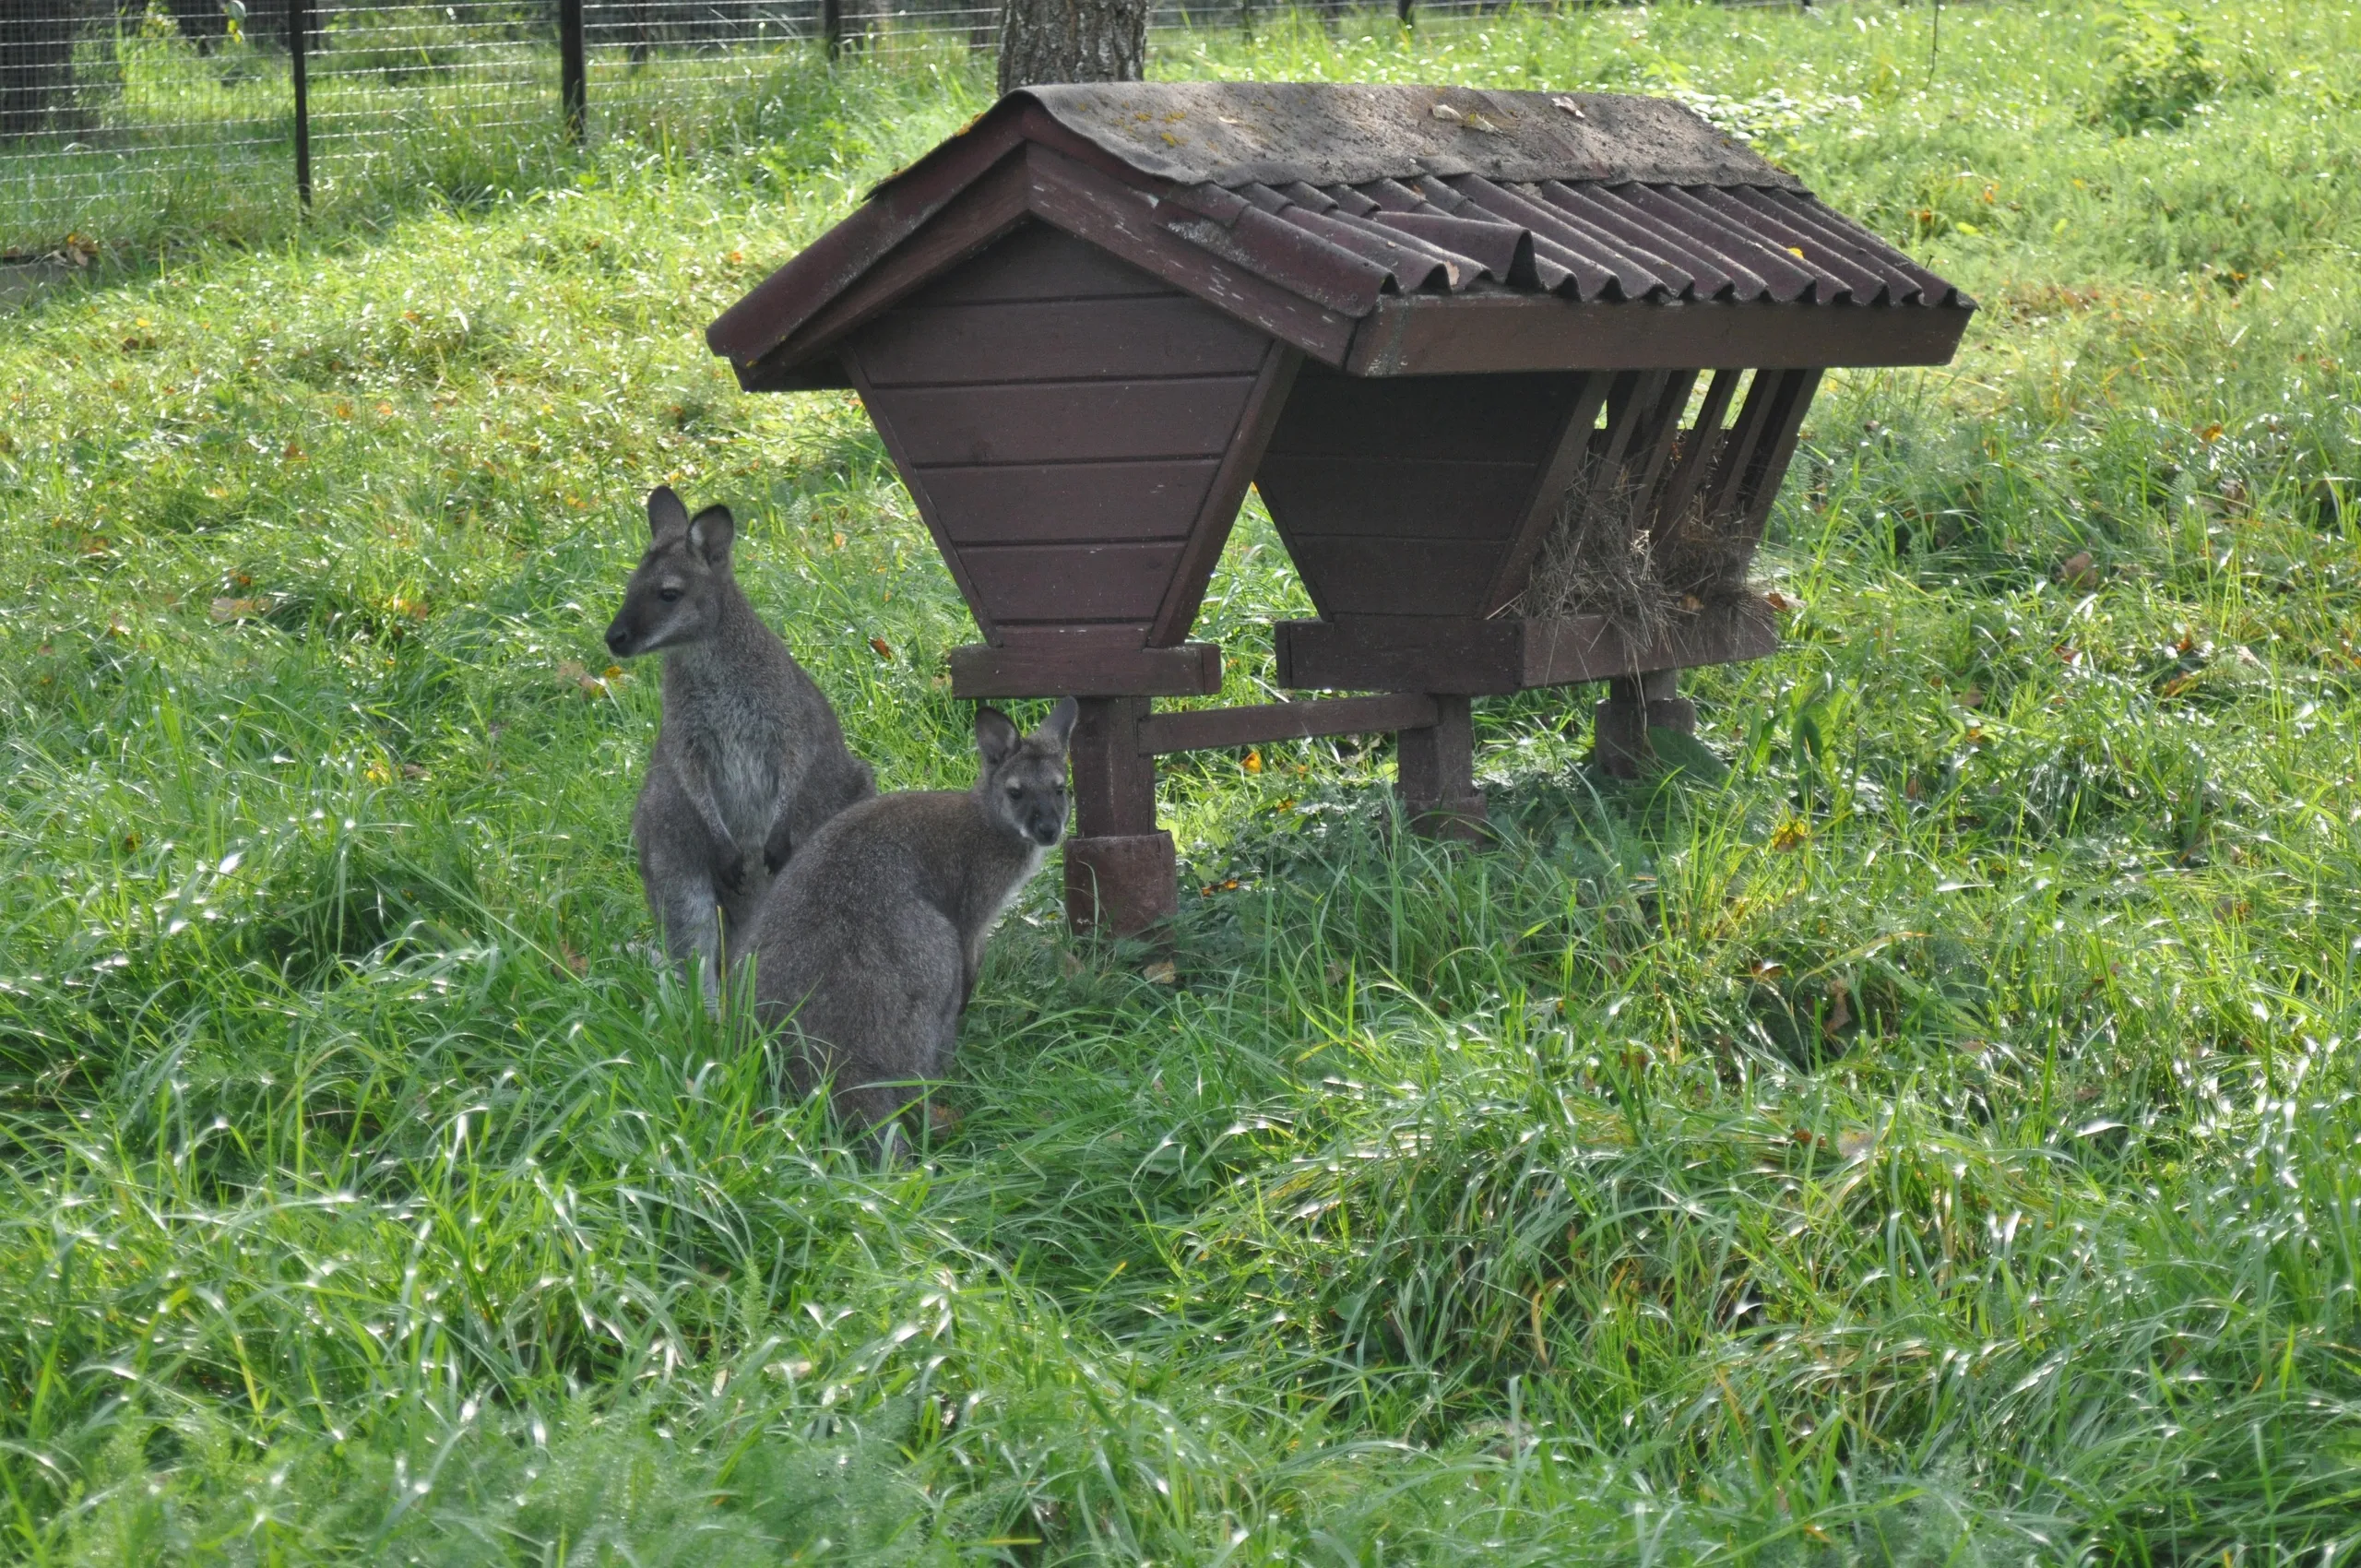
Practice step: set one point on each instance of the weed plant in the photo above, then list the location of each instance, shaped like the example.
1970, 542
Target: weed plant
1922, 1132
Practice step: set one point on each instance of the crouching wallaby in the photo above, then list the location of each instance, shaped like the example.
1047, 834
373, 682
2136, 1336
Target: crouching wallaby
870, 941
749, 761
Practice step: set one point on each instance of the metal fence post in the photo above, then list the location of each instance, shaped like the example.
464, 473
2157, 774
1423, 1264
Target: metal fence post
832, 26
299, 29
1402, 10
572, 71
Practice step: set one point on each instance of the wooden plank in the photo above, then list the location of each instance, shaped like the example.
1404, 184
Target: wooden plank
1563, 653
1396, 577
1771, 462
1380, 497
967, 223
1046, 503
1464, 656
1038, 262
890, 431
1211, 727
1510, 419
1478, 657
1063, 422
1044, 668
1209, 530
1568, 451
1703, 440
1067, 582
1120, 218
1114, 773
1730, 464
786, 300
1431, 334
1141, 338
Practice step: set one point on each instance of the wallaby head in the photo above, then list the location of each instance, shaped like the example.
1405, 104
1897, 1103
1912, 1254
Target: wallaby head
1023, 786
676, 595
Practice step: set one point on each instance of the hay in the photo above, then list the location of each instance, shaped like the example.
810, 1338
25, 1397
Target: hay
1600, 558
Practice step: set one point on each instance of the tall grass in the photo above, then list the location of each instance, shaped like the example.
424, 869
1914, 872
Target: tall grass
1930, 1143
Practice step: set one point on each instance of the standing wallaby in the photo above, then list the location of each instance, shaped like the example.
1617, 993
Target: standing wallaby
871, 939
749, 761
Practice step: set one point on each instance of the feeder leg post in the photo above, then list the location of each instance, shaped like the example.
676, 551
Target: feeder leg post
1634, 704
1121, 875
1435, 774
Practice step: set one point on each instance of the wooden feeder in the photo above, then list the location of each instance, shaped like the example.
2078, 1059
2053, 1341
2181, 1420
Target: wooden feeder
1482, 353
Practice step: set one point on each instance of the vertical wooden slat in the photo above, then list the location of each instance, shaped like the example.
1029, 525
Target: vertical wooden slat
1211, 530
1772, 457
1738, 446
1564, 466
1697, 453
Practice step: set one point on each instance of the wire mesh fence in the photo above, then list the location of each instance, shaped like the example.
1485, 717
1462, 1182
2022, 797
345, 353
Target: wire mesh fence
137, 116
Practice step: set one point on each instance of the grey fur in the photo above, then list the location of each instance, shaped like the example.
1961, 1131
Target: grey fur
749, 760
871, 939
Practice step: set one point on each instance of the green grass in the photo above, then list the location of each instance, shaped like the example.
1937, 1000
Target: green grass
1934, 1142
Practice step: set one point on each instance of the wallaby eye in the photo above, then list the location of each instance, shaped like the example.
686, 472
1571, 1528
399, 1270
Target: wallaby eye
668, 595
1014, 790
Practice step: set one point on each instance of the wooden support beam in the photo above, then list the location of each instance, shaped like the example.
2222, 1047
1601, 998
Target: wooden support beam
1448, 654
1435, 774
1210, 728
1120, 872
1080, 666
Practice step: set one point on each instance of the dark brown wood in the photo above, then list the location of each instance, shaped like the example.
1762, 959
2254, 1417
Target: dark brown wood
1112, 214
1435, 774
1564, 652
1437, 334
1034, 503
1038, 262
1400, 653
1777, 450
1065, 421
1403, 496
1138, 336
889, 430
1123, 885
1697, 449
1569, 450
1070, 584
967, 223
1378, 496
1212, 728
1209, 529
1505, 654
1119, 869
1114, 778
1082, 666
1736, 453
1635, 705
1444, 578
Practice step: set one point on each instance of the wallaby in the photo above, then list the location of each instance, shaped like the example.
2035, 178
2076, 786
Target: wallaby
749, 759
869, 940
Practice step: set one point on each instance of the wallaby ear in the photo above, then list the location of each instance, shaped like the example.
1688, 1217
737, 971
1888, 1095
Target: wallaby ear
665, 513
1057, 729
710, 533
996, 738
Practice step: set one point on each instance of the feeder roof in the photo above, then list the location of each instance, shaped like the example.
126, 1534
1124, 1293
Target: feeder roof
1304, 206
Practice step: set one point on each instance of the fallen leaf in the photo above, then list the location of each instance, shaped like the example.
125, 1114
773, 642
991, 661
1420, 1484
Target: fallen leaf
881, 648
238, 609
1161, 972
2211, 433
1789, 833
1840, 1009
1253, 763
940, 1118
837, 541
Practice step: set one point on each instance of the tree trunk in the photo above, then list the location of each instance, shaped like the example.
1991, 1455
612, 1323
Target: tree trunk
1071, 41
